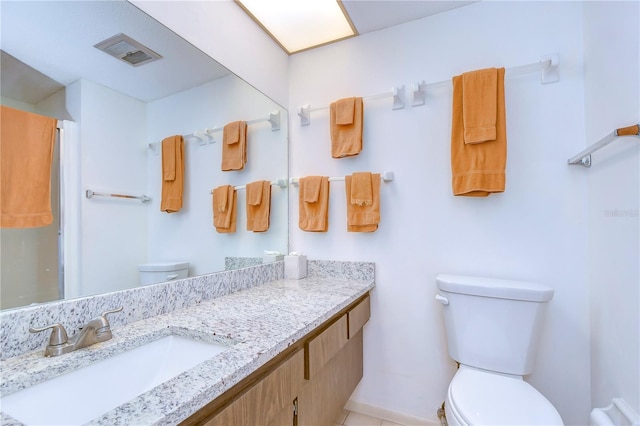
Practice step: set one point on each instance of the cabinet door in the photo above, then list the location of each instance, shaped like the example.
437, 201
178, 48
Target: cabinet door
322, 348
268, 400
322, 398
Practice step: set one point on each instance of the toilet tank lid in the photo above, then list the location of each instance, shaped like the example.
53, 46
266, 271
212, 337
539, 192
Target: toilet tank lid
162, 266
493, 287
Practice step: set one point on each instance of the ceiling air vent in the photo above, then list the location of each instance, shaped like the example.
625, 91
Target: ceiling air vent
128, 50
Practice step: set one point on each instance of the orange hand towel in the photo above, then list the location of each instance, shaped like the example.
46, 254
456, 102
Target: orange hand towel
479, 105
26, 149
234, 146
258, 205
311, 191
478, 169
361, 190
172, 173
314, 216
346, 139
361, 217
225, 220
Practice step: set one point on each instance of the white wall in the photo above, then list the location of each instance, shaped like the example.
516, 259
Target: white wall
113, 160
612, 93
534, 231
221, 29
189, 235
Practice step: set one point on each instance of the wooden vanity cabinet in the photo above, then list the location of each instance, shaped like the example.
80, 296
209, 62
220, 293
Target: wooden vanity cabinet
308, 384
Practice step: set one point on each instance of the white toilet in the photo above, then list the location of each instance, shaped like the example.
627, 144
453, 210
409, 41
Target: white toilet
492, 329
151, 273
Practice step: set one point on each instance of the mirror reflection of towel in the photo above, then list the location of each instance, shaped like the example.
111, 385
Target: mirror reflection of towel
172, 173
346, 139
234, 146
258, 205
224, 209
314, 215
362, 217
26, 152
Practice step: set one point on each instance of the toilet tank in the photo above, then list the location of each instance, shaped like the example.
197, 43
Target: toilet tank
493, 324
151, 273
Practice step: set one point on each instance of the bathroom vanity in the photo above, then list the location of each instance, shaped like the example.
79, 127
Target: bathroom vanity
292, 349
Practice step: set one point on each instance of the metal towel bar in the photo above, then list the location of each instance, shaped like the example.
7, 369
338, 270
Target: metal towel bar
584, 157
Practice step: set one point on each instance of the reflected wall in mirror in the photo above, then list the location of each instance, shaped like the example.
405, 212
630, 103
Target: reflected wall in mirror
112, 113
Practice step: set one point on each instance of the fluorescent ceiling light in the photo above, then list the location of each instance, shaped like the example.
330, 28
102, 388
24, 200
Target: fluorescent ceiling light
300, 24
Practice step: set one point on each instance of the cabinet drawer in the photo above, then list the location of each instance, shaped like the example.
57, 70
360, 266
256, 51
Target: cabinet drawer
358, 316
268, 399
320, 349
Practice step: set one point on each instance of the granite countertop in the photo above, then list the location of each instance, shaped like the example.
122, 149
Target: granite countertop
257, 324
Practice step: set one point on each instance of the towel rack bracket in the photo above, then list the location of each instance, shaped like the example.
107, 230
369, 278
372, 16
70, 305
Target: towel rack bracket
550, 74
584, 161
398, 94
418, 94
274, 120
304, 112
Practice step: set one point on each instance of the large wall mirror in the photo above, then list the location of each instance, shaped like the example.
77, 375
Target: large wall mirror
113, 117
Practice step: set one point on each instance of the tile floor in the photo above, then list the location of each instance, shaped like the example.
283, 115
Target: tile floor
349, 418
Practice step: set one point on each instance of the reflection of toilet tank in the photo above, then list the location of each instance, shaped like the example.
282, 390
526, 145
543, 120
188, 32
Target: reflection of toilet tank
151, 273
493, 324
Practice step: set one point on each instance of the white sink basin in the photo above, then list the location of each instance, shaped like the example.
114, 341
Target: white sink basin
89, 392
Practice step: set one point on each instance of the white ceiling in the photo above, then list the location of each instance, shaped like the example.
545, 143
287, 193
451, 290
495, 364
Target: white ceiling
56, 39
372, 15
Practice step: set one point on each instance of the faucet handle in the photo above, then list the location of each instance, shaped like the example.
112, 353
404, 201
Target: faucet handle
58, 335
113, 311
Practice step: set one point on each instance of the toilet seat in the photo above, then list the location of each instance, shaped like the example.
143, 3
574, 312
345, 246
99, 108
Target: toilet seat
478, 397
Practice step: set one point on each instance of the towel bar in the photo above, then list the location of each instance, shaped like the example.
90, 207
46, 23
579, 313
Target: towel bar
583, 158
90, 194
386, 177
205, 136
282, 183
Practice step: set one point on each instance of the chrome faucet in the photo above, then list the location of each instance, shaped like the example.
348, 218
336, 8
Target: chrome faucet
97, 330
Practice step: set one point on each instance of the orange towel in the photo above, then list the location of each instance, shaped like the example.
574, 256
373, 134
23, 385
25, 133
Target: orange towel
26, 149
479, 105
314, 216
346, 139
172, 173
312, 186
361, 190
361, 217
234, 146
258, 205
224, 209
478, 169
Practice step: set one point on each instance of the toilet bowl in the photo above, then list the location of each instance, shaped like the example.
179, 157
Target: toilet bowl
152, 273
493, 327
478, 397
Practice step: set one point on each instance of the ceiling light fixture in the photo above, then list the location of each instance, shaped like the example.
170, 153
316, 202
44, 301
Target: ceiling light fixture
298, 25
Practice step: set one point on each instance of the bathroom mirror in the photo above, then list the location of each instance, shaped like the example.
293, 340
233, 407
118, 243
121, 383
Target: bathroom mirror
114, 115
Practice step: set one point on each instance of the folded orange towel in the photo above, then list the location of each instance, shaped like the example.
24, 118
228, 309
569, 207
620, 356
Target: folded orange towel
361, 191
26, 151
361, 217
478, 169
234, 146
479, 105
312, 186
172, 173
224, 220
346, 139
345, 111
314, 216
258, 205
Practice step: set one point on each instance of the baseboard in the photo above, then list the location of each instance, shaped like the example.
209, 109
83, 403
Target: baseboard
391, 416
